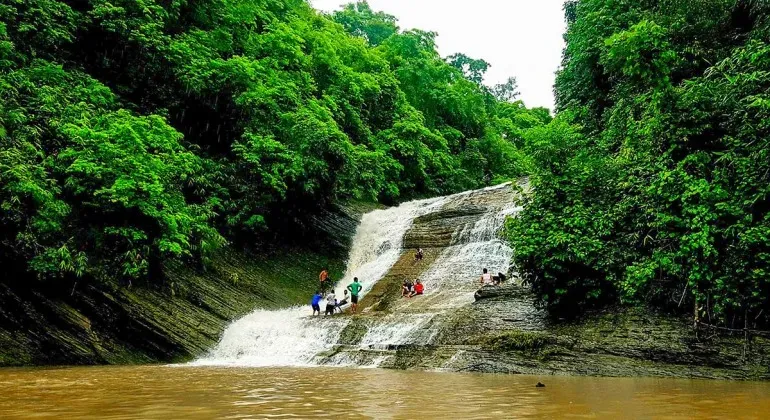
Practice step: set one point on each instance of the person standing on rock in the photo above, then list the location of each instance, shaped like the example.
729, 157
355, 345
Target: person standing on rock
331, 303
355, 289
323, 278
315, 303
486, 278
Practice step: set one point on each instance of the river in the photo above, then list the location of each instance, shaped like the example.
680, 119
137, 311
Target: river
160, 392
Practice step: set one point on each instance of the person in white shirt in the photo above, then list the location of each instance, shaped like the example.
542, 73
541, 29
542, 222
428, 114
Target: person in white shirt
343, 302
486, 278
331, 303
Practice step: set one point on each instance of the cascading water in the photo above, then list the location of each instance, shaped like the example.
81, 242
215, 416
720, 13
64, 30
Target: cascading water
291, 338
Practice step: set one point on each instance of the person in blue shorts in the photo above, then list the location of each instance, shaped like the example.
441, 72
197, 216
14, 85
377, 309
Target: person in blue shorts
315, 303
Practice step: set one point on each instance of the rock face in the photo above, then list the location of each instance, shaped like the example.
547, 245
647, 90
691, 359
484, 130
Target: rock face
504, 333
174, 321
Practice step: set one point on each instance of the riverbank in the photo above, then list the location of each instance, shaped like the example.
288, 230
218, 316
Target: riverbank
496, 337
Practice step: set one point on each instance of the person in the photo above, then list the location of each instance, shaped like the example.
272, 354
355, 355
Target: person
331, 303
343, 302
315, 303
486, 278
499, 278
355, 289
406, 289
323, 278
418, 256
418, 288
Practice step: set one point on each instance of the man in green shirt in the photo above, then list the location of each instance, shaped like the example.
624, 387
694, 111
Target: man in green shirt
355, 289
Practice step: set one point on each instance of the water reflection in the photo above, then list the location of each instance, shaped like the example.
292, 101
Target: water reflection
208, 393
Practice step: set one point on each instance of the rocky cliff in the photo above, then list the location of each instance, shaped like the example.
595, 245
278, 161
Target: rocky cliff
504, 333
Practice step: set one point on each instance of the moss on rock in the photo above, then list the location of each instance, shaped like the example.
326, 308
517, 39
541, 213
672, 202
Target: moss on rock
354, 332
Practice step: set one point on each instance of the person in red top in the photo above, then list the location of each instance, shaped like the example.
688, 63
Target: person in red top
418, 289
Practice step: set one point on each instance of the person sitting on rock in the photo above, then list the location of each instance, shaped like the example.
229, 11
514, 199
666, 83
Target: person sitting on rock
418, 289
406, 289
418, 256
343, 302
499, 278
486, 278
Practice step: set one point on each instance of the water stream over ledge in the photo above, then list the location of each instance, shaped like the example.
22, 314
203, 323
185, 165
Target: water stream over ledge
290, 337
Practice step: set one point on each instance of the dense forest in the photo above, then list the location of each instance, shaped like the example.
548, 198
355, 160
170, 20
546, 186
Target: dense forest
135, 132
652, 185
138, 132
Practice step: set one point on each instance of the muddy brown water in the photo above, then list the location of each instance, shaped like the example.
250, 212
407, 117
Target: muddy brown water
166, 392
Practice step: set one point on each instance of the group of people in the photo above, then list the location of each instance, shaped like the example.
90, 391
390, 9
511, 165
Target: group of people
409, 289
332, 304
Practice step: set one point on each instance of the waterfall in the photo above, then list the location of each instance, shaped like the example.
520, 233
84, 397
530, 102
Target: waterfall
290, 337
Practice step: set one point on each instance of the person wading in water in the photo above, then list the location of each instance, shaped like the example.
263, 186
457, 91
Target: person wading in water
355, 289
343, 302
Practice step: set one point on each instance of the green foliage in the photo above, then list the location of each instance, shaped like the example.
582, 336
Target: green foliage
137, 132
360, 20
651, 186
532, 342
88, 188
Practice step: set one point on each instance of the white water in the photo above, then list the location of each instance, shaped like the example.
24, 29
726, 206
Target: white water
291, 338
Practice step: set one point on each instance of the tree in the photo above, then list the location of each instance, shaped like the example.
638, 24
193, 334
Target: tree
663, 201
473, 69
506, 92
138, 133
360, 20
